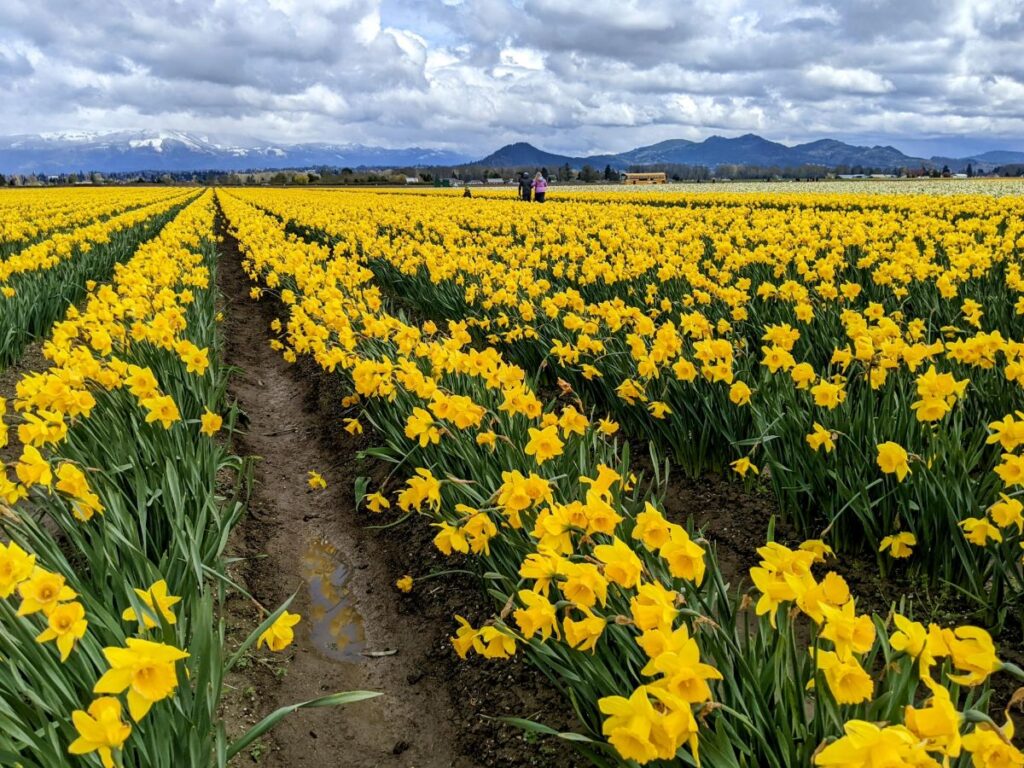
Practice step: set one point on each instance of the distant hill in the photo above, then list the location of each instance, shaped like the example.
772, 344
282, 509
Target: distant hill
128, 151
985, 161
748, 149
831, 153
522, 153
650, 154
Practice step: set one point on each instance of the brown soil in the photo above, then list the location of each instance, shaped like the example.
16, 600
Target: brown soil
32, 361
436, 710
734, 521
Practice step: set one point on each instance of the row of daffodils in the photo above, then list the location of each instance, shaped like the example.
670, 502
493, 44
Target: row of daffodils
27, 215
111, 566
861, 355
62, 245
39, 280
625, 611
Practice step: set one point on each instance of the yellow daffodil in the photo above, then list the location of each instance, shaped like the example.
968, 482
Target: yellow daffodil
744, 465
100, 729
43, 591
544, 444
893, 460
280, 634
145, 669
66, 624
899, 545
16, 566
157, 606
210, 423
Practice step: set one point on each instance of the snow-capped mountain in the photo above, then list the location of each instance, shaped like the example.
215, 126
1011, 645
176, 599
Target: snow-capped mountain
169, 150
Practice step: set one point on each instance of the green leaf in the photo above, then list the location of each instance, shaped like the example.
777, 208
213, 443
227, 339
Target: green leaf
535, 727
264, 725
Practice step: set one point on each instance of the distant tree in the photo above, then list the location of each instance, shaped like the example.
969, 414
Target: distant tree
945, 172
564, 173
427, 177
2, 179
300, 178
588, 175
970, 171
609, 174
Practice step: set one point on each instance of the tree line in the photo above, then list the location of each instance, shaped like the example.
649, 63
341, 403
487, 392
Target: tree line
587, 174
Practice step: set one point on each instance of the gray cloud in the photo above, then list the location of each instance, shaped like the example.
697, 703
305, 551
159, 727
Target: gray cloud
604, 75
14, 65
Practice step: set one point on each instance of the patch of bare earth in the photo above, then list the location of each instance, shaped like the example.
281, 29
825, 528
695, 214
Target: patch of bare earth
31, 361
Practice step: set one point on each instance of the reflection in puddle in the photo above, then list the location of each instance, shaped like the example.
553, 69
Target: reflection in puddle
337, 626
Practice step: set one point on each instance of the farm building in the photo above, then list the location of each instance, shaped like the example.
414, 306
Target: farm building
644, 178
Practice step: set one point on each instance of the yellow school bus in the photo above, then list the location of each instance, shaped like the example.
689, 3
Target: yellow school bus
644, 178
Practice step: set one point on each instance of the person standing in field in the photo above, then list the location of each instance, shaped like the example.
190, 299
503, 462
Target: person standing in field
540, 187
525, 189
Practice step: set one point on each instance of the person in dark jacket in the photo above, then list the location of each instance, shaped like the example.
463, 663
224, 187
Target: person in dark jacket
525, 187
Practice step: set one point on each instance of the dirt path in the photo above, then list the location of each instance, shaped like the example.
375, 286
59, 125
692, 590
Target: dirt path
31, 361
437, 711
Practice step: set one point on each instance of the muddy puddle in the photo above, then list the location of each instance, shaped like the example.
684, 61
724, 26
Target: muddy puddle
335, 624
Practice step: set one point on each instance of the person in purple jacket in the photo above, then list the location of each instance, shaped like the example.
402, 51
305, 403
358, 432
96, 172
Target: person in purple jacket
540, 187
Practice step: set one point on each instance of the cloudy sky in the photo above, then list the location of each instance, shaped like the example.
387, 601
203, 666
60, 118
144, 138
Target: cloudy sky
927, 76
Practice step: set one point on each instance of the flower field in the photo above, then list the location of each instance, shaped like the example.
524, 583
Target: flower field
112, 564
533, 378
52, 248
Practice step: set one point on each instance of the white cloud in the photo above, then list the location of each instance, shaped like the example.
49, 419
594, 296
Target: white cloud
368, 27
522, 58
848, 80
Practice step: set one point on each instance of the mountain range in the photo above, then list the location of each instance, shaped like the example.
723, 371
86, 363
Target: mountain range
171, 150
749, 149
128, 151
